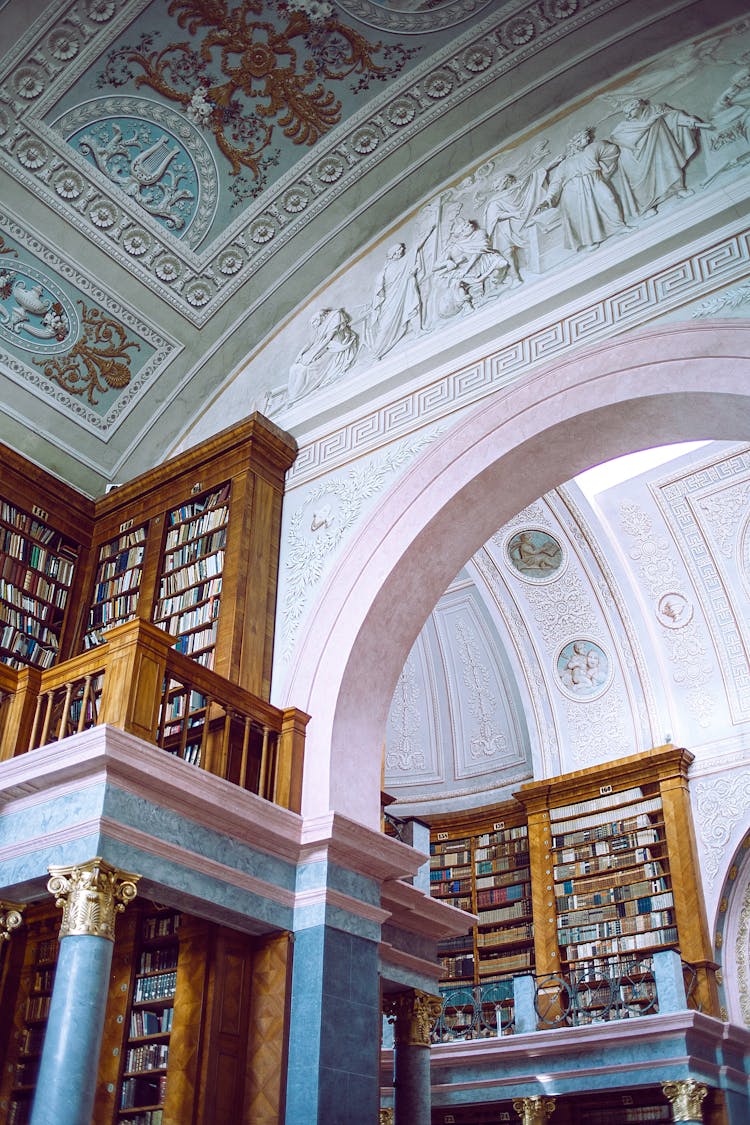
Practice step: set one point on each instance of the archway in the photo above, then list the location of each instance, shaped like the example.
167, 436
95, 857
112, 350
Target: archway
679, 383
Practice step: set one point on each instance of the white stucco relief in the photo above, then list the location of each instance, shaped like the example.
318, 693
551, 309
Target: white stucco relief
721, 806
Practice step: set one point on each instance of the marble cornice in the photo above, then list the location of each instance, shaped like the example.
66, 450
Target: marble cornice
410, 909
337, 839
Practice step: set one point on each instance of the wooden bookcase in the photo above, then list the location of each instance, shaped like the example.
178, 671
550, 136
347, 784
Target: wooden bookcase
191, 546
149, 1021
576, 872
45, 531
27, 994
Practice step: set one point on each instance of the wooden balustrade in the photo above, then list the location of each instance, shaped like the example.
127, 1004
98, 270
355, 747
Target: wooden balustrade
136, 681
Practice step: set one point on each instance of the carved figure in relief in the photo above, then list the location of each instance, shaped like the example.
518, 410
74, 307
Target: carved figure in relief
396, 303
582, 668
731, 121
579, 185
329, 355
510, 199
530, 556
656, 144
470, 269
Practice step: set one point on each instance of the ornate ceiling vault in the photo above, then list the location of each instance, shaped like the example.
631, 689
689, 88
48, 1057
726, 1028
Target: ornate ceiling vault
179, 177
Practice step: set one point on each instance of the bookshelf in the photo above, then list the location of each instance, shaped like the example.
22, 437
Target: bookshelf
613, 888
116, 585
149, 1022
452, 881
32, 1003
37, 567
192, 567
505, 931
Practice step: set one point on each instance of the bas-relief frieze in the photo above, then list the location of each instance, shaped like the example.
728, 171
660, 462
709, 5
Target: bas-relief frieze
706, 510
409, 745
721, 806
211, 99
68, 340
524, 213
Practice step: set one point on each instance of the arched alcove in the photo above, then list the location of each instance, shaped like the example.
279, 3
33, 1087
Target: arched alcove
680, 383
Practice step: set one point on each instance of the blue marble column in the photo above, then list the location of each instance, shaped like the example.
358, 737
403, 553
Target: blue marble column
414, 1013
90, 894
334, 1028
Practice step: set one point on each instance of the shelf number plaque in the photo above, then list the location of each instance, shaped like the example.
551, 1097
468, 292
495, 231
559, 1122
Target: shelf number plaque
498, 825
605, 790
125, 526
442, 835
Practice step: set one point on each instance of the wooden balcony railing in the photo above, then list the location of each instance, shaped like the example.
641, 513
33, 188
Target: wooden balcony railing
136, 681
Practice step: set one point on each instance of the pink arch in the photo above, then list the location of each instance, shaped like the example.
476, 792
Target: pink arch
680, 383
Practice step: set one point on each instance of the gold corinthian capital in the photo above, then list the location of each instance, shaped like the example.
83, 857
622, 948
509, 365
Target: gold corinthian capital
90, 895
10, 918
413, 1013
686, 1096
535, 1110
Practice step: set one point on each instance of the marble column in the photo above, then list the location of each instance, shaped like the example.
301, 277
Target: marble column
686, 1097
535, 1110
90, 895
413, 1013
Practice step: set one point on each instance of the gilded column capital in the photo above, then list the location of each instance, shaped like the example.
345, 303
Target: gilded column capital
90, 895
386, 1116
686, 1096
534, 1110
413, 1013
10, 918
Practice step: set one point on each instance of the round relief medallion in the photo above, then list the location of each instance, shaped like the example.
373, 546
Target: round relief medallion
534, 554
584, 670
674, 610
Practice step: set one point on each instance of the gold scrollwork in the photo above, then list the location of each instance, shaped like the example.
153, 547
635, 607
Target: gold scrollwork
10, 918
413, 1013
260, 64
90, 895
534, 1110
97, 362
686, 1096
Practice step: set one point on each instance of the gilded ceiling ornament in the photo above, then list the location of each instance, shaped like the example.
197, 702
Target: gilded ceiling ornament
267, 79
90, 895
97, 362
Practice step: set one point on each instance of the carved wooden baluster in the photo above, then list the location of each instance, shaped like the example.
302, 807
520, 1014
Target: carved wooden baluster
47, 718
35, 726
185, 717
263, 775
84, 703
225, 735
245, 747
62, 728
205, 732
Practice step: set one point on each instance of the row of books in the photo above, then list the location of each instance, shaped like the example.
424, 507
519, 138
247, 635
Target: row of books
123, 542
451, 857
147, 1117
656, 920
28, 524
632, 817
178, 580
17, 620
503, 836
178, 623
440, 874
489, 895
619, 834
203, 592
147, 1056
629, 909
620, 888
617, 846
37, 1008
596, 804
112, 612
194, 508
606, 863
190, 643
144, 1022
520, 909
120, 563
504, 854
161, 925
29, 650
449, 889
159, 987
43, 559
143, 1090
158, 960
197, 528
106, 589
507, 963
196, 549
43, 979
502, 864
33, 591
458, 968
613, 946
506, 936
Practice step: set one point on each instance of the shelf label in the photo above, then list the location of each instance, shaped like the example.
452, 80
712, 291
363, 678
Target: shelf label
605, 790
40, 513
125, 526
197, 487
498, 825
442, 835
